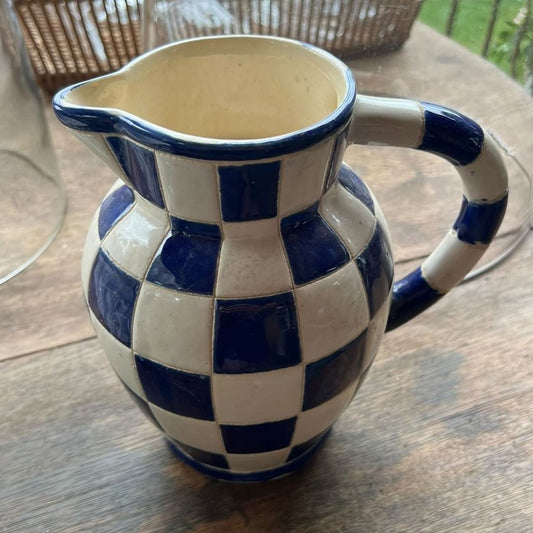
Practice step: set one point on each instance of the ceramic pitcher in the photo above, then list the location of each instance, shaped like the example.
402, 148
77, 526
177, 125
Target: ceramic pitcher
238, 275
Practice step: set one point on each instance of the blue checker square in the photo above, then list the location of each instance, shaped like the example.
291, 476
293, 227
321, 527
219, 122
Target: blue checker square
181, 226
188, 258
258, 438
113, 208
327, 377
450, 134
356, 186
313, 249
209, 458
478, 223
376, 266
143, 406
410, 296
256, 334
139, 166
304, 447
183, 393
111, 297
249, 192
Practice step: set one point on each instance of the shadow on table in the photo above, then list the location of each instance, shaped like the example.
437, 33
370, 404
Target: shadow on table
328, 490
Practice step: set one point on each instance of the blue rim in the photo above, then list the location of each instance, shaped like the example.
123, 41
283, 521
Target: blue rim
99, 120
264, 475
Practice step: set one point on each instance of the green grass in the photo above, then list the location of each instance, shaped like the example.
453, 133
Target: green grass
471, 23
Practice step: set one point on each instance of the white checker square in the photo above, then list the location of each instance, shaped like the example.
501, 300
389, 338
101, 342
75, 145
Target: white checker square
302, 177
116, 185
253, 462
312, 422
172, 328
190, 187
252, 261
201, 434
387, 121
133, 241
90, 251
485, 179
332, 312
349, 217
259, 397
450, 262
119, 356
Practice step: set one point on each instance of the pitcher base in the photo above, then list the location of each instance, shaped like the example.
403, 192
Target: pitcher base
246, 477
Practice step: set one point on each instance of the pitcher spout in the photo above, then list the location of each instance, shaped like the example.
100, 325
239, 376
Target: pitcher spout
184, 122
207, 95
90, 105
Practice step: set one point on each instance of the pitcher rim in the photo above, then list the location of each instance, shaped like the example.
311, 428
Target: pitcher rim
113, 121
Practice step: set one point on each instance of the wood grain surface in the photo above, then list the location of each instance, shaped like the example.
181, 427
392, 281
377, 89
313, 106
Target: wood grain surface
43, 307
439, 438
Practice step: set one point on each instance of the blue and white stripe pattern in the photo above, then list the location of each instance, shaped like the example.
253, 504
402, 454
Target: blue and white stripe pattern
463, 143
241, 313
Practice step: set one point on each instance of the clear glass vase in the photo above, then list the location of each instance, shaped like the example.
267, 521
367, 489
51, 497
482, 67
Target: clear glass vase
32, 197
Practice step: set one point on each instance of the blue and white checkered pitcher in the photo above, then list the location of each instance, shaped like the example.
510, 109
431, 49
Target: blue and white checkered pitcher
238, 275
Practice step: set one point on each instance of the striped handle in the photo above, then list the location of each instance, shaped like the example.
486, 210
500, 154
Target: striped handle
461, 141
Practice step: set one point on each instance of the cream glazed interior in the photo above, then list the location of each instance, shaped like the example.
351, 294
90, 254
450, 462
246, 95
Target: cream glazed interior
226, 88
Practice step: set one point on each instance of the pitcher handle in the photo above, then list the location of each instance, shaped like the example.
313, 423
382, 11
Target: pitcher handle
461, 141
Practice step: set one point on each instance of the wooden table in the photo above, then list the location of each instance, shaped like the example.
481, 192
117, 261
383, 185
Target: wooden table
440, 438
